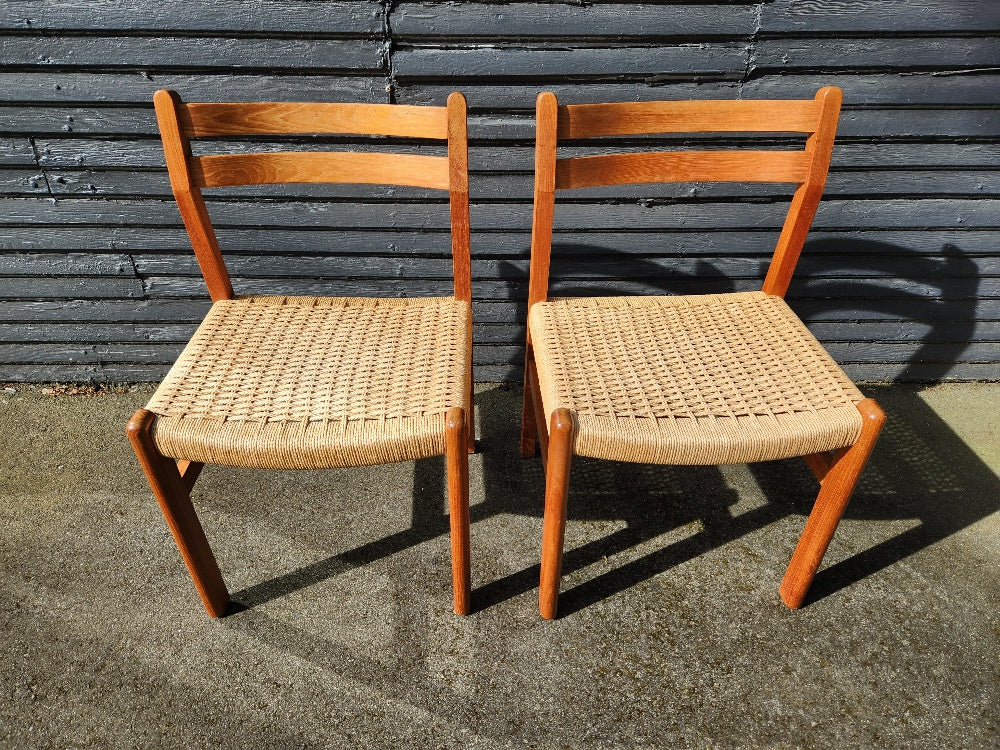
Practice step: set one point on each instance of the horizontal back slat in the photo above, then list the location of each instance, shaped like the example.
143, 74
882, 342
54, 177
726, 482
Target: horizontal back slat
645, 118
208, 119
682, 166
323, 166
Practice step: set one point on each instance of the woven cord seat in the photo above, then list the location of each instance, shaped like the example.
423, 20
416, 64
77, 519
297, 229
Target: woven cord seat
707, 379
316, 382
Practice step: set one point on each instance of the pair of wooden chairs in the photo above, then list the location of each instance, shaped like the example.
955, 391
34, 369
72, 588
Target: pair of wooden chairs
319, 382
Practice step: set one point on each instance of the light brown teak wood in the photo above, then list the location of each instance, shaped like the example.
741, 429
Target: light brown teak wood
201, 119
179, 122
806, 168
648, 118
457, 459
373, 169
560, 455
173, 495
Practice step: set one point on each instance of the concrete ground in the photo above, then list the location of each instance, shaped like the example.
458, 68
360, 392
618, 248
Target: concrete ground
671, 631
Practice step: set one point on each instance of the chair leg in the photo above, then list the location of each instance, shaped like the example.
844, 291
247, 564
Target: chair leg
171, 493
528, 428
470, 426
560, 455
457, 460
835, 490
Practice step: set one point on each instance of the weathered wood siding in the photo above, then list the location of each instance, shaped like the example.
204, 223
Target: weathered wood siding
899, 277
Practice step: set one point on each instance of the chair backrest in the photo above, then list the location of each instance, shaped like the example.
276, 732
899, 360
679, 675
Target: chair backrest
806, 167
180, 122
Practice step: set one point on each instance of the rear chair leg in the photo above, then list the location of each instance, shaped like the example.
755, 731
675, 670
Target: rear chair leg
528, 429
457, 460
836, 487
528, 426
560, 455
172, 494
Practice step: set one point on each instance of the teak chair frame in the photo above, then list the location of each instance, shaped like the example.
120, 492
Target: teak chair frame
172, 479
836, 471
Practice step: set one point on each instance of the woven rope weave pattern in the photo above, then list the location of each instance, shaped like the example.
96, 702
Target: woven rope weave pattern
707, 379
310, 382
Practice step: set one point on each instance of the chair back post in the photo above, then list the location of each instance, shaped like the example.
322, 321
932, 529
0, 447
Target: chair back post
177, 151
458, 191
819, 147
546, 134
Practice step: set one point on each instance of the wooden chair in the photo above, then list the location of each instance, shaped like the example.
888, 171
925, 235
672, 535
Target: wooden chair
699, 379
311, 382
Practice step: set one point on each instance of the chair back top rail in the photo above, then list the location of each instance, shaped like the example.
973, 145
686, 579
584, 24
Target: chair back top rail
714, 116
202, 119
179, 122
806, 167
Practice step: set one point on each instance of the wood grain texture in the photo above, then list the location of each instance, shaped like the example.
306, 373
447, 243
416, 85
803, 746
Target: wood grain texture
599, 120
313, 16
904, 240
837, 482
211, 119
162, 51
846, 16
189, 201
819, 149
673, 166
320, 166
457, 459
557, 469
491, 21
171, 492
545, 62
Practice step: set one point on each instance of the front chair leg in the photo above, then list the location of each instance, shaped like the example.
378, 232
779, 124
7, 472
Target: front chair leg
560, 454
836, 487
457, 460
172, 494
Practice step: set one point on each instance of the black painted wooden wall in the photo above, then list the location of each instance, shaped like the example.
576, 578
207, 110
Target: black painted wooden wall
899, 278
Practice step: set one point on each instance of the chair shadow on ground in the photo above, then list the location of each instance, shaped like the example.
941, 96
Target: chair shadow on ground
920, 470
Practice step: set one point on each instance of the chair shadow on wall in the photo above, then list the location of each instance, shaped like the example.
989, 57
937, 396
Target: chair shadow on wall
921, 473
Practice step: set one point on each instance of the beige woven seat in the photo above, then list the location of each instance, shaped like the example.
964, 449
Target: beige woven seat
702, 379
316, 382
710, 379
312, 382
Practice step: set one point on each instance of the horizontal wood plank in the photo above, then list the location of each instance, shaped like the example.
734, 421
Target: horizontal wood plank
619, 169
161, 51
883, 54
545, 62
310, 16
947, 243
492, 21
321, 166
76, 153
138, 87
919, 88
937, 16
832, 214
203, 119
599, 120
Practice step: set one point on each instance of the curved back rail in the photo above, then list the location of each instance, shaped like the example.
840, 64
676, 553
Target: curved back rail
180, 122
806, 168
